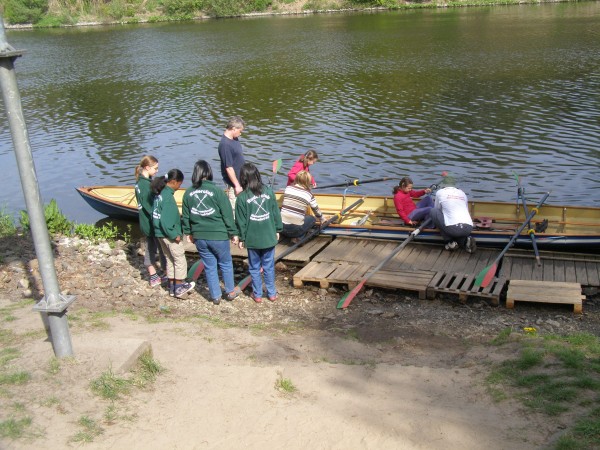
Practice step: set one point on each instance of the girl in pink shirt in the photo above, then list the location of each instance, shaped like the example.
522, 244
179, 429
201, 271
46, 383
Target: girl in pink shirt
410, 213
303, 163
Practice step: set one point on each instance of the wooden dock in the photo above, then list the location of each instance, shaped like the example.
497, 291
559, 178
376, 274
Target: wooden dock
428, 269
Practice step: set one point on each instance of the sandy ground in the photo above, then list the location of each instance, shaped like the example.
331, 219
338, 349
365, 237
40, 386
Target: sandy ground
219, 391
391, 371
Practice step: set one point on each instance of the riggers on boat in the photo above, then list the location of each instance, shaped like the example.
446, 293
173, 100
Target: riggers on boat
567, 228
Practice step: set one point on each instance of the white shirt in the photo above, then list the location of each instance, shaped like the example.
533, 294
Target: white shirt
454, 204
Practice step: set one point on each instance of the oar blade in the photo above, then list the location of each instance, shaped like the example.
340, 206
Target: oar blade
349, 296
195, 271
276, 165
486, 275
243, 284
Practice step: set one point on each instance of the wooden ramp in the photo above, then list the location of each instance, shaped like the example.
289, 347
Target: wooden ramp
545, 292
328, 273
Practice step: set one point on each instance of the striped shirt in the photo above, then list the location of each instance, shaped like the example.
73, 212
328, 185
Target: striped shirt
296, 201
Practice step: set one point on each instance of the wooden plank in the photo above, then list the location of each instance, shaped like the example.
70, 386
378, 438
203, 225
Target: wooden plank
581, 273
548, 270
506, 268
559, 271
570, 275
545, 292
592, 273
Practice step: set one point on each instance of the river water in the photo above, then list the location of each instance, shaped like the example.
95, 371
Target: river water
480, 92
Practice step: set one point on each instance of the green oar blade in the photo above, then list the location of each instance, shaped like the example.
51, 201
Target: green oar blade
244, 283
276, 165
349, 296
486, 275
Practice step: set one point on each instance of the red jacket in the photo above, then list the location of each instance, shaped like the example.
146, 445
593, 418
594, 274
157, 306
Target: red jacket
297, 167
404, 203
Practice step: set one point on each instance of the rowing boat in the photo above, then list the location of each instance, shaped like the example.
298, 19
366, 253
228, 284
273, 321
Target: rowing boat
569, 228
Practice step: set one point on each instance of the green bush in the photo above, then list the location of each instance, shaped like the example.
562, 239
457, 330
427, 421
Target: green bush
107, 232
7, 224
182, 8
56, 221
50, 21
24, 11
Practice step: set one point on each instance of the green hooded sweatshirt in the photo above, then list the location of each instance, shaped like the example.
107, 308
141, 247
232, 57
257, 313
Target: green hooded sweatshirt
165, 216
207, 213
145, 201
258, 219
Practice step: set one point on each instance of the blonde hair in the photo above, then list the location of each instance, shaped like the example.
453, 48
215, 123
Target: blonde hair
146, 161
304, 179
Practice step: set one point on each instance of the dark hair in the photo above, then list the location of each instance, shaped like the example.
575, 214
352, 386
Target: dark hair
250, 178
309, 155
159, 183
202, 171
403, 183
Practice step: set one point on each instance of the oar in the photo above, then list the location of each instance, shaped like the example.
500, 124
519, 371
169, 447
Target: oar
487, 275
531, 232
195, 270
246, 281
349, 296
354, 182
276, 167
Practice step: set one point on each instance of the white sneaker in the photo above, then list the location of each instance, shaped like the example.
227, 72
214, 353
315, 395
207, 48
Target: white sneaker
471, 245
184, 288
452, 245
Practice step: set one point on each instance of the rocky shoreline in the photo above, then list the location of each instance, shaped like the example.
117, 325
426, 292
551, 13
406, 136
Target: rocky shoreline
107, 278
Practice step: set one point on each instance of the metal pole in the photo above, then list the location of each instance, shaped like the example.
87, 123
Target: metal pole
53, 306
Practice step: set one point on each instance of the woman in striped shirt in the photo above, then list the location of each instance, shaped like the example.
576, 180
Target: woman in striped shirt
297, 198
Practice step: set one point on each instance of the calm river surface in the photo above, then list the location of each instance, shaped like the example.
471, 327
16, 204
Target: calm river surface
479, 92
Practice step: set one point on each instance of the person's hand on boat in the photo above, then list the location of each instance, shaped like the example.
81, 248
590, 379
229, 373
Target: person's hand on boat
240, 244
428, 191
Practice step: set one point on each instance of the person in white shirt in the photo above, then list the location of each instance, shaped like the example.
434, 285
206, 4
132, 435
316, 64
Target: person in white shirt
451, 215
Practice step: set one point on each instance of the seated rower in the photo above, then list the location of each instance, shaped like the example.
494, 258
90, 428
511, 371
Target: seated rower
410, 213
297, 198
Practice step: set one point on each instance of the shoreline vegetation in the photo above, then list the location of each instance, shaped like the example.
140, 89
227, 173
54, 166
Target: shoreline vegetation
69, 13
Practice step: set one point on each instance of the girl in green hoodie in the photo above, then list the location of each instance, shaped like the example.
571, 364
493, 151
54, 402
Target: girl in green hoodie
259, 223
167, 228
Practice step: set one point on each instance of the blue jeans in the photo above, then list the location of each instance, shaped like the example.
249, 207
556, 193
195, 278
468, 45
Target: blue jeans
216, 255
293, 231
423, 207
264, 258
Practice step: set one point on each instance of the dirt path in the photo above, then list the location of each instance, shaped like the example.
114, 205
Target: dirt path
391, 372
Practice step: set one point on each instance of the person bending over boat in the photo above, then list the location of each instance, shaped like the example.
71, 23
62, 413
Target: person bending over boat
297, 198
303, 163
231, 154
451, 215
208, 219
410, 213
144, 172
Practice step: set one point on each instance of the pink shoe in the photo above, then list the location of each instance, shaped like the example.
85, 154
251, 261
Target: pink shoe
255, 298
273, 298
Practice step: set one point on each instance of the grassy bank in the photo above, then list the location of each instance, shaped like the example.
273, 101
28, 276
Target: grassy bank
57, 13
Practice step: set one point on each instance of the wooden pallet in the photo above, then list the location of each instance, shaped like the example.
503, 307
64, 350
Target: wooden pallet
327, 274
545, 292
463, 285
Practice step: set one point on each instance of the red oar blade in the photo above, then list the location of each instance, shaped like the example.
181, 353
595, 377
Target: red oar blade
349, 296
486, 275
276, 165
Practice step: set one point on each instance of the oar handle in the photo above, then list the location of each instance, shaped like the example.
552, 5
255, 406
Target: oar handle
354, 182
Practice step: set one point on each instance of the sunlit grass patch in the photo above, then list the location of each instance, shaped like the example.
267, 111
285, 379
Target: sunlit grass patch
14, 428
90, 430
109, 386
551, 374
285, 385
12, 378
